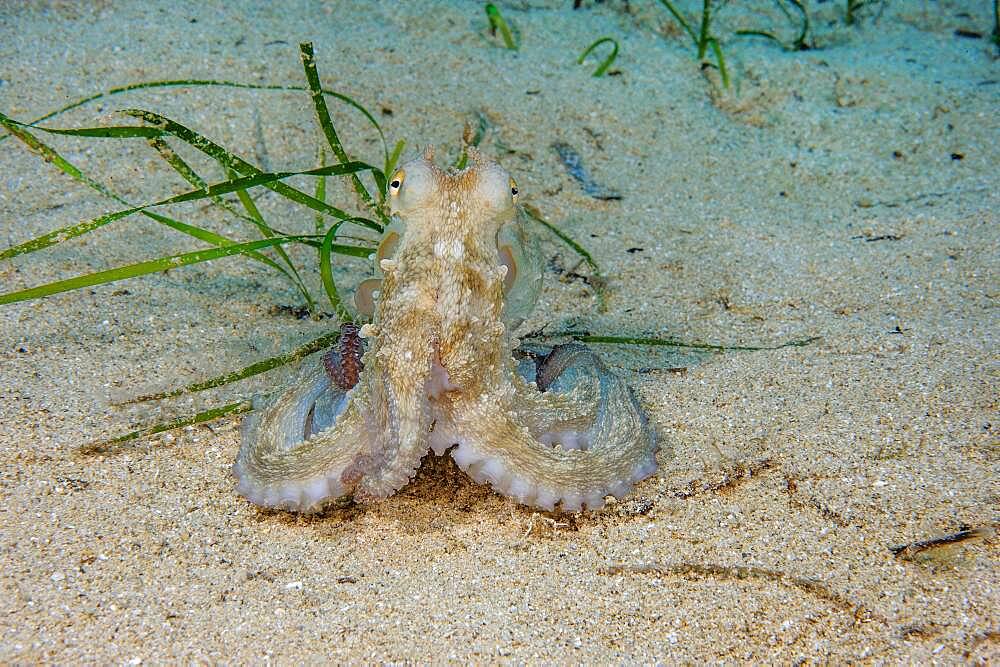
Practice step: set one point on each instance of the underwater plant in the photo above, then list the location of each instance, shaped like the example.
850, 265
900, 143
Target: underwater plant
243, 176
606, 63
498, 24
801, 41
996, 23
703, 39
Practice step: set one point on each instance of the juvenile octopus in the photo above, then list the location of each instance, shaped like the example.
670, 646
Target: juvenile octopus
455, 274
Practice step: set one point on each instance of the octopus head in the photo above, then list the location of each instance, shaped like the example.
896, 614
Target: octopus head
414, 188
483, 195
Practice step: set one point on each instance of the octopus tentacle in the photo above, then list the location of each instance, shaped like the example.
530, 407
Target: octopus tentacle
296, 448
540, 455
404, 420
399, 407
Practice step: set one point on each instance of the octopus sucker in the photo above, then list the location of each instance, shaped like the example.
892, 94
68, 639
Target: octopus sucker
619, 489
545, 499
466, 457
434, 371
520, 489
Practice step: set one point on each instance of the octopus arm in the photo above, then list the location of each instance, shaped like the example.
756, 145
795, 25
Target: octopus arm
402, 420
295, 450
398, 379
584, 438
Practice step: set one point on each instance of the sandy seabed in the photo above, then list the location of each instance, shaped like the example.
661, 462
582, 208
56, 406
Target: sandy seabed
847, 192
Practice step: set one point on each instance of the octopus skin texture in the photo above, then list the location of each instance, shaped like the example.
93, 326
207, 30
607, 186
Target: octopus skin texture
455, 274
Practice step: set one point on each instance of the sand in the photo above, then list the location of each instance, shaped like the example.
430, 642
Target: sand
847, 192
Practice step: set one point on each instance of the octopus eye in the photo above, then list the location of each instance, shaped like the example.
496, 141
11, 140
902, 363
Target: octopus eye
397, 182
513, 190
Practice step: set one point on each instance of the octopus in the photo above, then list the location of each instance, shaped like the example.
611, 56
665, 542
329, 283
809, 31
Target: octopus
435, 371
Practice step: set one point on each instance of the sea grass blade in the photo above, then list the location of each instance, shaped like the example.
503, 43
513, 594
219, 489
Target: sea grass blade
256, 368
323, 115
320, 192
472, 137
230, 161
606, 63
64, 234
680, 19
800, 43
258, 220
186, 172
52, 156
390, 164
703, 33
142, 268
163, 125
996, 23
723, 70
382, 177
219, 240
381, 185
326, 275
765, 35
260, 178
599, 281
115, 444
673, 342
209, 237
536, 215
190, 83
497, 23
110, 132
177, 163
191, 176
364, 252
